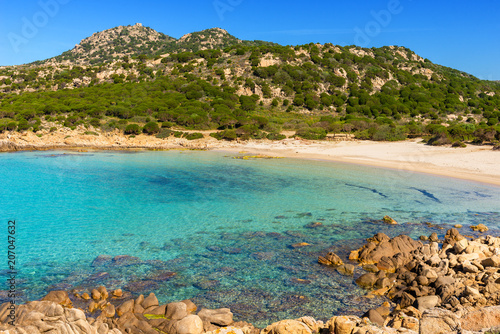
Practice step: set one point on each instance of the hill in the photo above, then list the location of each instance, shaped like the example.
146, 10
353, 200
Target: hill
248, 89
116, 43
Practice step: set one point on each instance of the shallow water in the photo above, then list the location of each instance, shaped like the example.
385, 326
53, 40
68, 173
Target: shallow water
224, 226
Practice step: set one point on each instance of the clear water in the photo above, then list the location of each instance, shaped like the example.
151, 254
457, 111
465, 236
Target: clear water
224, 226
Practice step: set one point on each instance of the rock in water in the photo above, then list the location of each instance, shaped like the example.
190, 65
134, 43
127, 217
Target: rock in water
390, 221
381, 245
299, 245
118, 293
367, 280
479, 228
346, 269
331, 259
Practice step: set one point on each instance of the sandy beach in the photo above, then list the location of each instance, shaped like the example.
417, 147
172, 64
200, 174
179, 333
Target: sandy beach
475, 163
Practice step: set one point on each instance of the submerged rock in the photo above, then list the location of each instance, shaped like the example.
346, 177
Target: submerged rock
124, 260
479, 228
206, 284
300, 245
101, 260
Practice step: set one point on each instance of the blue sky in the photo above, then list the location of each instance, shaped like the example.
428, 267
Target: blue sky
459, 34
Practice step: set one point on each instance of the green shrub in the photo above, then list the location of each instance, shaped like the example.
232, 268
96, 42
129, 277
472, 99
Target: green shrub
91, 133
164, 133
311, 133
132, 129
439, 139
228, 134
178, 134
95, 122
216, 135
167, 125
2, 127
275, 136
387, 133
23, 125
458, 144
151, 128
53, 129
12, 126
193, 135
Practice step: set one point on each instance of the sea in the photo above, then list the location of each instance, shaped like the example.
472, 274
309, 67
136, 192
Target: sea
207, 226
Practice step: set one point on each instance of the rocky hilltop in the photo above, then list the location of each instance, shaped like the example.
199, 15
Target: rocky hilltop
116, 43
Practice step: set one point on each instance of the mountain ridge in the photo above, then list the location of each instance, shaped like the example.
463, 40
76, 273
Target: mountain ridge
120, 41
210, 79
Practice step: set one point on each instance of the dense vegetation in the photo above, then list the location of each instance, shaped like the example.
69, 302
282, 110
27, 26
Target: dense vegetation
253, 90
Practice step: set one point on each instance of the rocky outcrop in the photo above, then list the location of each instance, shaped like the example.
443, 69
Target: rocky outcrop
435, 289
385, 252
110, 314
49, 317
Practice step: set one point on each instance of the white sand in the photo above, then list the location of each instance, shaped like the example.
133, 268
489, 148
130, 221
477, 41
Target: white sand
475, 163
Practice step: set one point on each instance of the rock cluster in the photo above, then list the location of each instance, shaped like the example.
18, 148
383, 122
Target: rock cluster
109, 313
436, 289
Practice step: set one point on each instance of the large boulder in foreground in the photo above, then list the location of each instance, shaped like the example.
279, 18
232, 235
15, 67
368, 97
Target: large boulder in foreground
487, 317
220, 317
49, 317
59, 297
191, 324
439, 321
380, 245
286, 327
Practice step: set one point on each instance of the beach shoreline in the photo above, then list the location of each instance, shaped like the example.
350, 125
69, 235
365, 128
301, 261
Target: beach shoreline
473, 163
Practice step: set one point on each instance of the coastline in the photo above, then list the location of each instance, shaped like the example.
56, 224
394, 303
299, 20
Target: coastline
473, 163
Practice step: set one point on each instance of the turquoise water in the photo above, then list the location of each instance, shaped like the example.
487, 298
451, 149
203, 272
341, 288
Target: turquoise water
224, 226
